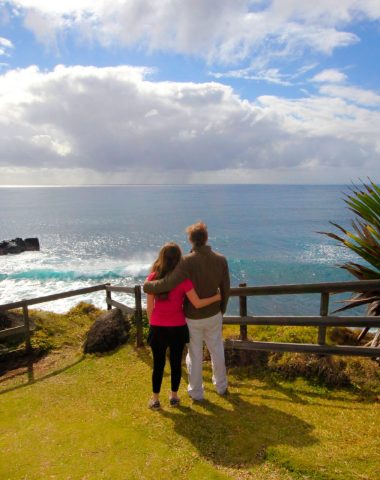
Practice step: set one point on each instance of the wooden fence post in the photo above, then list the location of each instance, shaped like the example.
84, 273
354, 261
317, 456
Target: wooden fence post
323, 311
108, 297
28, 345
138, 316
243, 313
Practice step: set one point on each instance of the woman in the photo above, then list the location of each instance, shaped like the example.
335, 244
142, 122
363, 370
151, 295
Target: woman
167, 323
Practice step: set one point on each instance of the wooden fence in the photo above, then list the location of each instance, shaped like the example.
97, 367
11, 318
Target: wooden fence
27, 327
322, 321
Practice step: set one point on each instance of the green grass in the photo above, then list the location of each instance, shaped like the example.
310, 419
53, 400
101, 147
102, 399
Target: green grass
87, 418
57, 330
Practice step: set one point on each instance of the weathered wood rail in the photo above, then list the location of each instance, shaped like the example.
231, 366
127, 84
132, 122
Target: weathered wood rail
321, 321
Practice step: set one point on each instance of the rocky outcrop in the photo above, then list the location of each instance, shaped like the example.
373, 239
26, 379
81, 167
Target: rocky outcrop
109, 331
18, 245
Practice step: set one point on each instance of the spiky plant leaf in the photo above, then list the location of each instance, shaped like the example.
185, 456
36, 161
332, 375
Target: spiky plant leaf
364, 240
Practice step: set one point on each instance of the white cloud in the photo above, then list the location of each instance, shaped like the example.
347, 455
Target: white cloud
5, 46
222, 31
270, 75
330, 75
352, 94
118, 124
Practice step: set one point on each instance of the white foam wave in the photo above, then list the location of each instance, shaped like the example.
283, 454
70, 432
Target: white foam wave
36, 274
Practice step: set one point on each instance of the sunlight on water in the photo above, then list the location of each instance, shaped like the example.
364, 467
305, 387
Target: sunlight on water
99, 235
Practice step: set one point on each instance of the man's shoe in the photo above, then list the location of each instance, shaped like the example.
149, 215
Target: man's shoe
197, 400
225, 392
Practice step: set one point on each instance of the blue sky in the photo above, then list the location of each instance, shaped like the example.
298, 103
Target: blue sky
212, 91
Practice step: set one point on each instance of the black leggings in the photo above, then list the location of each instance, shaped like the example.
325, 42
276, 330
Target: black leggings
160, 338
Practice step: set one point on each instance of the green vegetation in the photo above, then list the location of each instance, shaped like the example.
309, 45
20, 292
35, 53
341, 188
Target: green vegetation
364, 240
57, 330
359, 374
86, 417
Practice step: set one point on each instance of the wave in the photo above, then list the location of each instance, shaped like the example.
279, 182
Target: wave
46, 274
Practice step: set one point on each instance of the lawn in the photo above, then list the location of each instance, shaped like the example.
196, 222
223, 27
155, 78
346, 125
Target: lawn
87, 418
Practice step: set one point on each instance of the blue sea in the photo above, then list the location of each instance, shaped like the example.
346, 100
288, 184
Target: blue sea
98, 234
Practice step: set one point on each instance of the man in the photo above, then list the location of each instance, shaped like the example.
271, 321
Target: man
208, 271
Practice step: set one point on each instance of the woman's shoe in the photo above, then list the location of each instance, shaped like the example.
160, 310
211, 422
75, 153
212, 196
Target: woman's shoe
154, 404
174, 401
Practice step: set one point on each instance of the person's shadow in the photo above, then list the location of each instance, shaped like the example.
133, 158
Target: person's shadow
239, 434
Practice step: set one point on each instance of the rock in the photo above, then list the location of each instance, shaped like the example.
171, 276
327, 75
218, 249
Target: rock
109, 331
32, 244
18, 245
5, 321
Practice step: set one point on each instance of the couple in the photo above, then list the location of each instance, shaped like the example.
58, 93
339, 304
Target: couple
197, 287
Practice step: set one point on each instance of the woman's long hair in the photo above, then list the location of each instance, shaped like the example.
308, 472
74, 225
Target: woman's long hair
168, 258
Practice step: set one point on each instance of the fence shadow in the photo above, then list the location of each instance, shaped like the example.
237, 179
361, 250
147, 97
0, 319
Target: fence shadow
30, 375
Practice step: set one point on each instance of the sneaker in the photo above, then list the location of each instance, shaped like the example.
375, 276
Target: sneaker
154, 404
174, 402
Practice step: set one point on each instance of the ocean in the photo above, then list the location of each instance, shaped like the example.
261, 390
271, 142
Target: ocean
97, 234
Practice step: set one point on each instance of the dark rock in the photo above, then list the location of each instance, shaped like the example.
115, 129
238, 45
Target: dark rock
32, 244
5, 321
10, 319
18, 245
109, 331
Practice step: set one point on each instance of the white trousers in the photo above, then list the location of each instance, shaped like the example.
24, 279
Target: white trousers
210, 331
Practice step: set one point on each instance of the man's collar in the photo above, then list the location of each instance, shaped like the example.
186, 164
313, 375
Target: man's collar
202, 249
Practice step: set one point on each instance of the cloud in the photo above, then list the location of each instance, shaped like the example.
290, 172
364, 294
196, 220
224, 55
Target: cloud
5, 46
330, 75
269, 75
352, 94
119, 124
221, 31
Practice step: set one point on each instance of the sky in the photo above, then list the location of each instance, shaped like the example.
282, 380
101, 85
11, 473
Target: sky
189, 91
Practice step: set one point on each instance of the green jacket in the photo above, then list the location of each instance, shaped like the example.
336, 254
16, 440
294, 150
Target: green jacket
207, 270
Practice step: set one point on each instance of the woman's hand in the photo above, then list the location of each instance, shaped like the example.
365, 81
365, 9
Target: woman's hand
202, 302
218, 296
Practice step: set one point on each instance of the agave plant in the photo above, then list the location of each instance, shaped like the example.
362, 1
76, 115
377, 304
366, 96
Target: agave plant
364, 240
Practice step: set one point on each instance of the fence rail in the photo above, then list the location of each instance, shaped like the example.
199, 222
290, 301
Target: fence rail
312, 321
322, 321
51, 298
302, 288
28, 326
304, 348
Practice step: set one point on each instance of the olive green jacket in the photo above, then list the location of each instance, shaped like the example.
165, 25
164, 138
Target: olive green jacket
207, 270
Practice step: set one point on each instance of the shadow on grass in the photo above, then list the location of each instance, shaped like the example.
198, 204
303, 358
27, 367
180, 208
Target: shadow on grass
31, 362
272, 382
239, 434
293, 396
32, 381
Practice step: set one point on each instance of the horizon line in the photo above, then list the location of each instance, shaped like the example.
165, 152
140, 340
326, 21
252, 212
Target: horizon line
77, 185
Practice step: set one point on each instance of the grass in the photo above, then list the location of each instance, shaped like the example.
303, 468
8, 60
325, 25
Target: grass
56, 330
87, 418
